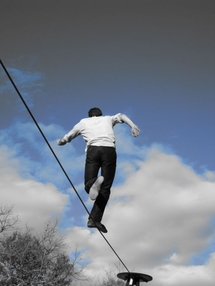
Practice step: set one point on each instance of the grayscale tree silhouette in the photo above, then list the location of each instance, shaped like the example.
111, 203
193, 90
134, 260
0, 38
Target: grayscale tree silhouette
27, 259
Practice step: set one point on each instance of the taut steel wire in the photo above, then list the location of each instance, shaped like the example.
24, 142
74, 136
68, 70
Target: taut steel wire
52, 151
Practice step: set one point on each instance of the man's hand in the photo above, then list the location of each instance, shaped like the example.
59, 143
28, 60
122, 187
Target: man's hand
61, 142
135, 131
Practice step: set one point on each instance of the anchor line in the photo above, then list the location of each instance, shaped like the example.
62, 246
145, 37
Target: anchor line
58, 161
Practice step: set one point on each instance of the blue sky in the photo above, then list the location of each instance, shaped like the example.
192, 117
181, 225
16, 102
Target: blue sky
152, 60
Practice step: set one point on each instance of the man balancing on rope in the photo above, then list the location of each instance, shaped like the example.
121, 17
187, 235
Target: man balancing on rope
97, 131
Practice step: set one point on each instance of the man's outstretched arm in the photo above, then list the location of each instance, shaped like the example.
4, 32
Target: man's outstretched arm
135, 131
69, 136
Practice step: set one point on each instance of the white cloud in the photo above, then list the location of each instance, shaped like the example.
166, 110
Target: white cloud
37, 160
34, 202
157, 221
170, 275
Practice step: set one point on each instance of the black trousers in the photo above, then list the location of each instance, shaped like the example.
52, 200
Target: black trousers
104, 159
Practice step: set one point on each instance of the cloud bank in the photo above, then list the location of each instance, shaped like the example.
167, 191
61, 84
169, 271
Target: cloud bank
160, 217
160, 221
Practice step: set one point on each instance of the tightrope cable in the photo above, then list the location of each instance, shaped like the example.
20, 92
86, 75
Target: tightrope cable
52, 151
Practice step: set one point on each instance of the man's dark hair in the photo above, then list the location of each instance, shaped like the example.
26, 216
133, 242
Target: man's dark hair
94, 112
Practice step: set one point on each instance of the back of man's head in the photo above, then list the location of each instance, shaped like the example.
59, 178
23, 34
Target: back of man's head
95, 111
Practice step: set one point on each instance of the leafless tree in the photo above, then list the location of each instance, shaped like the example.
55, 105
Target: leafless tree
27, 259
110, 278
7, 220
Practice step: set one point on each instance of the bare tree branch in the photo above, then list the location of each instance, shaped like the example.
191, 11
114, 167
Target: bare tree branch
7, 220
28, 259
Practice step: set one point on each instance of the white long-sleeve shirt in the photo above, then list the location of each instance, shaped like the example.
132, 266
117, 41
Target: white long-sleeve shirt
96, 130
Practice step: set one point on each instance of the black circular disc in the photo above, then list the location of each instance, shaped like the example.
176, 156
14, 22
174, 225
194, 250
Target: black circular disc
137, 276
